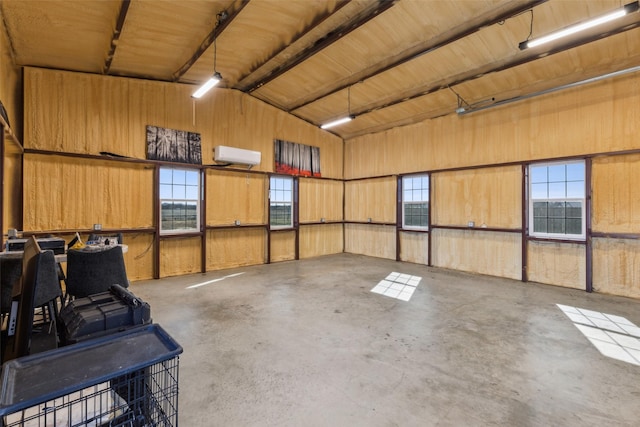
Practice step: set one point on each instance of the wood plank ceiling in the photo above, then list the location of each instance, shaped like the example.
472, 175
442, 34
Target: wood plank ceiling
387, 62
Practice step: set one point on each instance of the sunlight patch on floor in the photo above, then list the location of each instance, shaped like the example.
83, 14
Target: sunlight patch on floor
397, 285
614, 336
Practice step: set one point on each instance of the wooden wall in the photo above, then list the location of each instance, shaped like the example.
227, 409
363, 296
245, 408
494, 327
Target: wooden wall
476, 164
321, 214
66, 193
321, 239
235, 247
616, 210
283, 246
236, 196
371, 200
489, 197
10, 84
414, 247
69, 116
600, 117
11, 98
370, 239
370, 215
12, 183
320, 199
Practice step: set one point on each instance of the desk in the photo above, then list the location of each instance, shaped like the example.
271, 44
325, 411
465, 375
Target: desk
59, 257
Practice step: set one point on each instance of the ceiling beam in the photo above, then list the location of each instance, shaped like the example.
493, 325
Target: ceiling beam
474, 25
315, 23
122, 16
357, 21
522, 58
218, 28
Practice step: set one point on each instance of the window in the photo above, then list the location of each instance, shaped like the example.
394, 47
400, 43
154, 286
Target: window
415, 202
557, 200
179, 200
281, 202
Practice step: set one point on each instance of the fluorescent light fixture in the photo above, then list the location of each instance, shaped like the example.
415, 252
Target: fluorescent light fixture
337, 122
629, 8
214, 80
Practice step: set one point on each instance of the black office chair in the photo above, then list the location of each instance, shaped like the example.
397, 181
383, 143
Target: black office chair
10, 272
38, 268
48, 292
94, 271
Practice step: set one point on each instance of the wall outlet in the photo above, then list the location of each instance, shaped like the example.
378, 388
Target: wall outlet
97, 227
471, 224
237, 222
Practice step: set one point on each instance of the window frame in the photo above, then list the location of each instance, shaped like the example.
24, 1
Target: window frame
403, 203
582, 201
198, 200
291, 202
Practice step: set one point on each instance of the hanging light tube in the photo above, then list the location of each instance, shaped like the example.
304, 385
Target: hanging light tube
337, 122
627, 9
216, 77
214, 80
343, 119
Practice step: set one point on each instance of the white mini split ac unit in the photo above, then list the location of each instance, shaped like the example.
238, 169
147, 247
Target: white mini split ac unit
224, 154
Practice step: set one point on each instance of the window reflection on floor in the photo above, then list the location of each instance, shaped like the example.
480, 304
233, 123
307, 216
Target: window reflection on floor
613, 336
397, 285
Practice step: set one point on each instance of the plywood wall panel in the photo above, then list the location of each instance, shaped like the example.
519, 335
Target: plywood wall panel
12, 185
232, 118
323, 239
414, 247
147, 106
181, 109
283, 246
139, 256
86, 114
235, 196
372, 240
371, 198
180, 256
107, 113
55, 110
594, 118
616, 201
62, 193
489, 197
491, 253
616, 267
83, 113
320, 198
10, 84
554, 263
236, 247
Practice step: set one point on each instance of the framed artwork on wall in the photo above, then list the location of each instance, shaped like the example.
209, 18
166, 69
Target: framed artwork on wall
296, 159
173, 145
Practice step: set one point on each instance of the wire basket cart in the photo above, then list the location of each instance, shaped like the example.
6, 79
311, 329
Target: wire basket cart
125, 379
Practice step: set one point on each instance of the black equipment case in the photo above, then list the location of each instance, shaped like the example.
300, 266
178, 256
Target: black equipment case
55, 244
102, 314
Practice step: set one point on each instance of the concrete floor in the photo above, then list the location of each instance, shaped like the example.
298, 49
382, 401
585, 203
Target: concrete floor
307, 343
